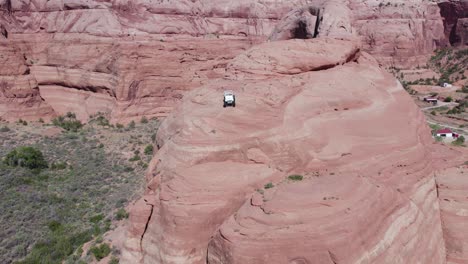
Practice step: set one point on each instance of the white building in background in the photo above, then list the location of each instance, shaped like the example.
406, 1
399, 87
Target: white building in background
444, 133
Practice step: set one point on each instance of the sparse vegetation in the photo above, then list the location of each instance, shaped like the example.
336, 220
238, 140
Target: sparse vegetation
121, 214
269, 185
295, 177
144, 120
135, 158
100, 251
450, 64
58, 165
4, 129
27, 157
460, 108
131, 125
460, 141
149, 150
464, 89
102, 121
68, 122
434, 126
50, 213
60, 242
22, 122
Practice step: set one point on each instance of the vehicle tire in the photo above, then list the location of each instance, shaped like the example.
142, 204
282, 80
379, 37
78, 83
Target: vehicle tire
233, 104
224, 105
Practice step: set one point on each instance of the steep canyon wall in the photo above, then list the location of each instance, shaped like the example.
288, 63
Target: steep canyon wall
140, 47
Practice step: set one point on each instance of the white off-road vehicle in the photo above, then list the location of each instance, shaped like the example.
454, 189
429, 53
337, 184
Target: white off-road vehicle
229, 99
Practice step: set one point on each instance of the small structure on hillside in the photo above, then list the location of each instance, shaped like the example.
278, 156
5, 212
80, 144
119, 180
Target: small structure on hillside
446, 132
447, 85
432, 100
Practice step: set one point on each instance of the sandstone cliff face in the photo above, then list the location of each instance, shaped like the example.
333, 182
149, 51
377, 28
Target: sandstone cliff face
455, 14
125, 78
368, 194
399, 33
60, 44
398, 29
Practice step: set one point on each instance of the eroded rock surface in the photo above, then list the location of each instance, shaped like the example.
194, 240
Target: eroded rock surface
46, 75
112, 53
452, 186
400, 33
348, 128
321, 108
455, 14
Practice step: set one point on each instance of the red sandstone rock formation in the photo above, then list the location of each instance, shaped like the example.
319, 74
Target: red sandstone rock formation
455, 14
329, 114
320, 108
400, 34
45, 75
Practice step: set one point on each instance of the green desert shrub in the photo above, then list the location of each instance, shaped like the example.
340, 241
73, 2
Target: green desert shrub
100, 251
295, 177
149, 150
135, 158
144, 120
60, 243
97, 218
121, 214
459, 141
102, 121
68, 122
269, 185
27, 157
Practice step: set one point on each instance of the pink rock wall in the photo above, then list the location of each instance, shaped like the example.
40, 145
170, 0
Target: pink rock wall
92, 40
399, 33
124, 79
455, 16
368, 193
397, 29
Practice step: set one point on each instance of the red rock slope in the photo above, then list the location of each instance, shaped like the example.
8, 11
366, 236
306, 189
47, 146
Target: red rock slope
318, 108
